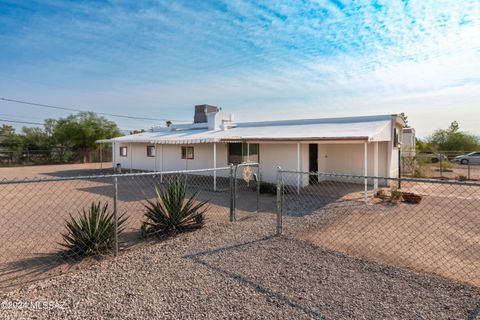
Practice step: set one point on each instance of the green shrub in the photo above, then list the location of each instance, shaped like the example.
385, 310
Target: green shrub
171, 213
395, 196
92, 232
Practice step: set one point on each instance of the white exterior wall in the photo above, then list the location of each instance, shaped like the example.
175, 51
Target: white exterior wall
273, 155
349, 158
337, 158
169, 157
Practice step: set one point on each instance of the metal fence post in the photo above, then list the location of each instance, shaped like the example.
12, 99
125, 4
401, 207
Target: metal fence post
232, 195
115, 223
258, 186
279, 200
468, 172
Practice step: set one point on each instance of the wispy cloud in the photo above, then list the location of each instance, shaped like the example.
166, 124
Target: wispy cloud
259, 59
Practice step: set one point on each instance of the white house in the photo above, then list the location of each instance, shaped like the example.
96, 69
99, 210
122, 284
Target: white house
367, 145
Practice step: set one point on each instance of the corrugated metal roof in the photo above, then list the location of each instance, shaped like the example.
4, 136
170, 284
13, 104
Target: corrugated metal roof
369, 128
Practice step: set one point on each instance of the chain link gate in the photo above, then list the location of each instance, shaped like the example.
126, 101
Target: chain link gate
246, 188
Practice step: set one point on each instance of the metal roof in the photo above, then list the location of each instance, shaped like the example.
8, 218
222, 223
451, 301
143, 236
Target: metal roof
368, 128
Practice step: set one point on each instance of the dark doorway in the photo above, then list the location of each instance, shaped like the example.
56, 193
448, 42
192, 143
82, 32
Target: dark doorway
313, 162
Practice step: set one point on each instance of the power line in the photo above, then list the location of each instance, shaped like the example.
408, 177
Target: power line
17, 121
38, 123
79, 110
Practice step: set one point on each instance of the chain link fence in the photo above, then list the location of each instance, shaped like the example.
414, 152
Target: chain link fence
430, 226
34, 213
53, 156
446, 165
421, 225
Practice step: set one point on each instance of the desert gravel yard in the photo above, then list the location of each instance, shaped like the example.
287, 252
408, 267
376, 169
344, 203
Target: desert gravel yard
238, 270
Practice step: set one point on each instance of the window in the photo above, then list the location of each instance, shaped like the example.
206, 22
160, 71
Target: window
151, 151
123, 151
187, 153
242, 152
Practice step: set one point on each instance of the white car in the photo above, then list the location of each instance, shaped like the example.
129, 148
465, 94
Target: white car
470, 158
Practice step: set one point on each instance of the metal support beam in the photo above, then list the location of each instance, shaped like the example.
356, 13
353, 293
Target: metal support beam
161, 166
279, 201
114, 160
155, 164
375, 165
215, 167
131, 157
115, 217
365, 173
298, 167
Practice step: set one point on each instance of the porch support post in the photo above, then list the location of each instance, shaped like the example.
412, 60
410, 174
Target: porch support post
214, 166
248, 152
114, 165
131, 157
298, 167
365, 153
161, 166
155, 164
375, 165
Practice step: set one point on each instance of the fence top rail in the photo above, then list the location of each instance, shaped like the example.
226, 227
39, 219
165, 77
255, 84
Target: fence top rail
104, 176
436, 181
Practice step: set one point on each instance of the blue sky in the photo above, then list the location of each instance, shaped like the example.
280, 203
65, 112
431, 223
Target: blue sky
258, 59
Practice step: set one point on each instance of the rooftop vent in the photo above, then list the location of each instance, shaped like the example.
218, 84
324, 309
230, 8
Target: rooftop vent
201, 111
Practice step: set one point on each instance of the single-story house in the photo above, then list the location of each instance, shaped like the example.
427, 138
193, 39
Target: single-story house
366, 145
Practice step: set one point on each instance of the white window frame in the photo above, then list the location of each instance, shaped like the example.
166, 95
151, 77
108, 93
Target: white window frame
126, 151
153, 154
187, 157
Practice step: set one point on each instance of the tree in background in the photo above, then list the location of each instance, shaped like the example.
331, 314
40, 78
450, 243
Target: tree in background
59, 139
9, 139
35, 138
80, 131
405, 119
452, 139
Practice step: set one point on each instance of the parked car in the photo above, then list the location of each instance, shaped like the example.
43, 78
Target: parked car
470, 158
433, 157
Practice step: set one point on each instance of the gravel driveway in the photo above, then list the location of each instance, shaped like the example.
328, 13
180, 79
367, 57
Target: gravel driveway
237, 270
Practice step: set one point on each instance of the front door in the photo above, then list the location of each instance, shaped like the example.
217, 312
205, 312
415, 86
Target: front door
313, 162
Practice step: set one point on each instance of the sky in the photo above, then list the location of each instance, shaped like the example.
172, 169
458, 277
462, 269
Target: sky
261, 60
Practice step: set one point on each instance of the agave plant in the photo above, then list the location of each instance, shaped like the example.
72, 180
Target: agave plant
171, 213
92, 232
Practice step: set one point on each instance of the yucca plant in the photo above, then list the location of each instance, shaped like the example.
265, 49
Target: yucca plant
92, 232
170, 212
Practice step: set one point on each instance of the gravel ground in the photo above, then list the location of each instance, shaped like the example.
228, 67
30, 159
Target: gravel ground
238, 270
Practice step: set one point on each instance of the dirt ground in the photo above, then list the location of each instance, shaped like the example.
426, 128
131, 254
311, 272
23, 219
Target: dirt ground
439, 236
452, 171
33, 215
54, 170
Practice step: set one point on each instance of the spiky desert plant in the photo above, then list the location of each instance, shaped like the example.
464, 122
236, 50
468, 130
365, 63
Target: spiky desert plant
92, 231
170, 212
